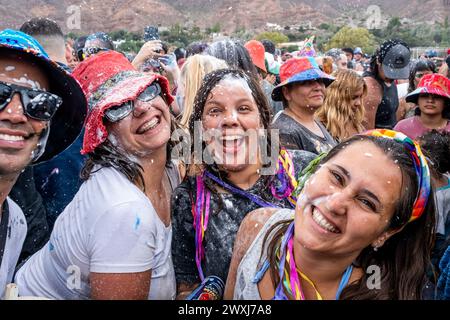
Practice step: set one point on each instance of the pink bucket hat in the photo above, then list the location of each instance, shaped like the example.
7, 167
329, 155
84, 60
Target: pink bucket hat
435, 83
108, 79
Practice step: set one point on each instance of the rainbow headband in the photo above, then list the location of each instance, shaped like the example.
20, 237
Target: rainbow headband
420, 165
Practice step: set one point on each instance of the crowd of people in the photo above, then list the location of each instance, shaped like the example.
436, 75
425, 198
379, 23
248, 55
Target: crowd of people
288, 175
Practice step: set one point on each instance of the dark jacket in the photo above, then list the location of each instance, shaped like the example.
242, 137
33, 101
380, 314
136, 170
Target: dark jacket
58, 179
25, 194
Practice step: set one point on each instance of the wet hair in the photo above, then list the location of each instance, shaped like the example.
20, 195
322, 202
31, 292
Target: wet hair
337, 112
436, 146
192, 73
404, 257
335, 54
419, 65
196, 48
210, 81
269, 46
101, 37
234, 54
108, 155
41, 27
373, 68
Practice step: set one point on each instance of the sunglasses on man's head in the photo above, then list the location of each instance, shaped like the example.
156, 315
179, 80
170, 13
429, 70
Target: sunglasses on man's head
118, 113
37, 104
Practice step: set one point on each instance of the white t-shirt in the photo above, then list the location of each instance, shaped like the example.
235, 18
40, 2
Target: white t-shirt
109, 227
17, 230
402, 89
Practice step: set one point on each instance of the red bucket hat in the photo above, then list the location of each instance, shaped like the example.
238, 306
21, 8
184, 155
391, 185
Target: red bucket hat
256, 51
108, 79
435, 83
299, 70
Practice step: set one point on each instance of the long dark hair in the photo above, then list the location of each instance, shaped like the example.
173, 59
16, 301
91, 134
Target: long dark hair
405, 257
419, 65
109, 155
209, 83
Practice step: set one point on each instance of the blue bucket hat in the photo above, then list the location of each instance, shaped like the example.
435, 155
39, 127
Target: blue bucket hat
66, 124
298, 70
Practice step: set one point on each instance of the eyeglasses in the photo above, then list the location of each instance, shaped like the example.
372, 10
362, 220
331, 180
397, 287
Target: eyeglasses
37, 104
118, 113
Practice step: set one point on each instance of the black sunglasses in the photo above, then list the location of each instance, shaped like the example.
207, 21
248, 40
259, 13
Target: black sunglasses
118, 113
37, 104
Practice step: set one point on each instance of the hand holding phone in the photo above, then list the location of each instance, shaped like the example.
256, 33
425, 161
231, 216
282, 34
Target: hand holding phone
148, 51
151, 33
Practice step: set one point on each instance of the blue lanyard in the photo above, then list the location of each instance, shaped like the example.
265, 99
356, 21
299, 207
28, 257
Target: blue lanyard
344, 281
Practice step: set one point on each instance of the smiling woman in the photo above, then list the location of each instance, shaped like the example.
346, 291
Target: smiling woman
349, 221
116, 233
232, 179
433, 99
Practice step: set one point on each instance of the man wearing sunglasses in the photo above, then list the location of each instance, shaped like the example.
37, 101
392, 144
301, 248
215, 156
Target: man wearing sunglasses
42, 110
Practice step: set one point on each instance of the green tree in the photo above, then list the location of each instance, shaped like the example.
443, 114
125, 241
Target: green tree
324, 26
130, 46
275, 37
394, 24
352, 37
73, 35
213, 29
118, 35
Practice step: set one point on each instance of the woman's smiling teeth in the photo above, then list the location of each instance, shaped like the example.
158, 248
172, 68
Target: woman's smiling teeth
323, 222
231, 137
151, 124
8, 137
231, 141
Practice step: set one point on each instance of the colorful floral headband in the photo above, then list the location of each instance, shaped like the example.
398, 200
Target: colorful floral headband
420, 165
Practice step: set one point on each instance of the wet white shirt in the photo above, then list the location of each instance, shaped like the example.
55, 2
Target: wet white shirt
109, 227
17, 231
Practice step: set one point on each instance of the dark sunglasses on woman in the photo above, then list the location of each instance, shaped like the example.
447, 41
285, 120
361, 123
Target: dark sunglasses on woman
37, 104
118, 113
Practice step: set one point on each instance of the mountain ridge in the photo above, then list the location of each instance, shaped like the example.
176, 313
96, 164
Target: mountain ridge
132, 15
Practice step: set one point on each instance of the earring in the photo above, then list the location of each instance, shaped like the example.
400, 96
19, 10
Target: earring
375, 249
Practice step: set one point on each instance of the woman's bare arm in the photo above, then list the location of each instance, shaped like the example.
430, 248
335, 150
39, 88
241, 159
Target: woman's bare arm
248, 230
